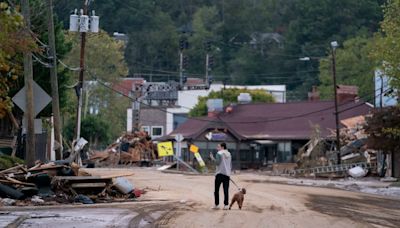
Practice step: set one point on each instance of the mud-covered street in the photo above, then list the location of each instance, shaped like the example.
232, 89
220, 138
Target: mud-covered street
177, 200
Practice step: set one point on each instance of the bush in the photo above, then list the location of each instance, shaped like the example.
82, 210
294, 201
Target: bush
8, 161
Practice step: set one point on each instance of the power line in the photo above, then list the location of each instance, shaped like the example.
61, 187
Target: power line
245, 122
47, 65
68, 67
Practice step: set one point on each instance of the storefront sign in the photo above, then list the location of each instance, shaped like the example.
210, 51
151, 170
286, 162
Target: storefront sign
216, 136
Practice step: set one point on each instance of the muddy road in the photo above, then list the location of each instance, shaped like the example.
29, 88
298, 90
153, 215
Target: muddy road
267, 204
177, 200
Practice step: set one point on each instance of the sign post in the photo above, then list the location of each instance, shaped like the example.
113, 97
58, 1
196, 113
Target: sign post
179, 138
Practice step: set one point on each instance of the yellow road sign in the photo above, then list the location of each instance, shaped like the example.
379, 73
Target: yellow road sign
193, 148
165, 149
199, 159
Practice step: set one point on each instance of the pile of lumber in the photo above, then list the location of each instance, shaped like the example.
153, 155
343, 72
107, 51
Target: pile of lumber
130, 148
319, 152
60, 182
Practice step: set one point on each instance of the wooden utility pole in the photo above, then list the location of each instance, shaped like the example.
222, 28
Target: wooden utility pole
334, 44
54, 80
28, 75
80, 84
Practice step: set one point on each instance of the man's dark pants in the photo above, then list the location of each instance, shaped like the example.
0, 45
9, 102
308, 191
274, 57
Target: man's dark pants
224, 180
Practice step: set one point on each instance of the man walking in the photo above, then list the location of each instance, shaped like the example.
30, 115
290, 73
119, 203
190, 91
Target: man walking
223, 161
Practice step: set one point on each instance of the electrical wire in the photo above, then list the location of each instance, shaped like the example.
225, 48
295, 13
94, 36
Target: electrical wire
68, 67
47, 65
246, 122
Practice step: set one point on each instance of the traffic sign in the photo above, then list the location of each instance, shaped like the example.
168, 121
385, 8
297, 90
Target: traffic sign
179, 137
199, 159
165, 149
40, 98
194, 149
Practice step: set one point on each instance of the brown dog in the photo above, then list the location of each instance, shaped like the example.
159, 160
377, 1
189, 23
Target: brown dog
238, 197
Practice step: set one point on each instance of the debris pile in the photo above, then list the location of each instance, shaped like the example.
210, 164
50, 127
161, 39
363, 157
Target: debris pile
318, 156
60, 182
130, 148
354, 139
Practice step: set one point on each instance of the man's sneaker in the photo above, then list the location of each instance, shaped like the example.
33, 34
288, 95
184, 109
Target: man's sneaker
226, 207
215, 207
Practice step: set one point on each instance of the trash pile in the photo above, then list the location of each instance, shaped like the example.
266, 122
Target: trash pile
354, 139
319, 152
131, 148
60, 182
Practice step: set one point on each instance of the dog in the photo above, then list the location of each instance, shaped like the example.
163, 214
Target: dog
238, 197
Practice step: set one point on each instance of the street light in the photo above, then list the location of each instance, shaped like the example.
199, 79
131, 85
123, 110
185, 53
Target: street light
334, 45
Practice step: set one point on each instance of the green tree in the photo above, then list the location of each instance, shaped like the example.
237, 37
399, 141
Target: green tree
229, 96
387, 46
105, 62
13, 42
103, 56
383, 129
94, 129
353, 67
206, 24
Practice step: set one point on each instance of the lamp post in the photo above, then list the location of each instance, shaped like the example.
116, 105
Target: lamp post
334, 45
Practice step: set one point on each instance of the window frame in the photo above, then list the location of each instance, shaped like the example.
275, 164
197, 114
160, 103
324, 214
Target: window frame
162, 131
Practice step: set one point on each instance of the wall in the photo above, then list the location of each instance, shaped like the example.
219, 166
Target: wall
153, 117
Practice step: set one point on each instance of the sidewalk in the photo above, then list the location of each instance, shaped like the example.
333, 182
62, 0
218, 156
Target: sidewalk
371, 185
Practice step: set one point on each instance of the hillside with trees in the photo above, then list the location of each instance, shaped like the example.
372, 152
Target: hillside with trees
252, 42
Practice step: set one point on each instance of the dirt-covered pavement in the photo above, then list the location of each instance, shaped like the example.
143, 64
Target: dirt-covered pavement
177, 200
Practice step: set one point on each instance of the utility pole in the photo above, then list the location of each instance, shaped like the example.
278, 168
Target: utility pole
207, 69
82, 69
334, 45
136, 108
28, 76
381, 96
208, 48
54, 80
181, 69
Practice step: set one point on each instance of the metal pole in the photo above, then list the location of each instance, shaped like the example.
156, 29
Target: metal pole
80, 84
28, 75
336, 104
381, 96
207, 68
181, 69
54, 81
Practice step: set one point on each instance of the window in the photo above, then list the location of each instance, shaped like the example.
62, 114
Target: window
284, 152
156, 131
146, 129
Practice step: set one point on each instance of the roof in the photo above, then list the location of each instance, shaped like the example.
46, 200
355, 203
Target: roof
125, 86
276, 121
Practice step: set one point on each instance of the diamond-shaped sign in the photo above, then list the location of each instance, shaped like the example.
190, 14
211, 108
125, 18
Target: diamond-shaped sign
40, 98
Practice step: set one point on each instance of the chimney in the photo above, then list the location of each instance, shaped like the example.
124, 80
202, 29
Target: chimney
346, 93
214, 107
314, 94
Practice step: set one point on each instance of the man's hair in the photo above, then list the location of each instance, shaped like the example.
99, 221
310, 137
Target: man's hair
223, 145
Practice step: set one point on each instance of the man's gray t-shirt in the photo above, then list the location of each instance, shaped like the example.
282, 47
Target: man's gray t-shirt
224, 162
